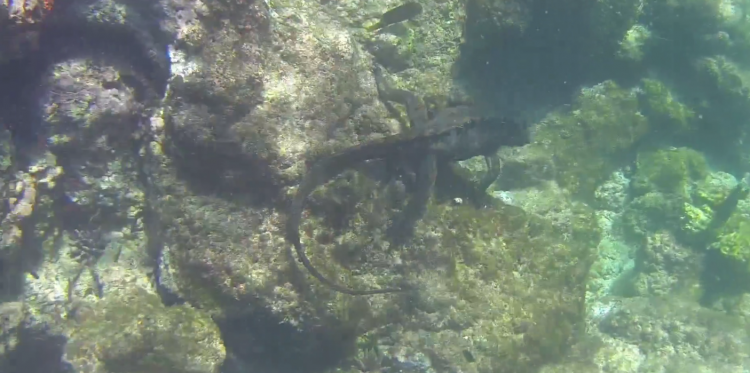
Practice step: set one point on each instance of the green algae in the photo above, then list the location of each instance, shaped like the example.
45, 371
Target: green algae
668, 171
663, 108
591, 140
137, 333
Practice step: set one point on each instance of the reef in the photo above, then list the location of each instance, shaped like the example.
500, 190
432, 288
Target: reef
153, 147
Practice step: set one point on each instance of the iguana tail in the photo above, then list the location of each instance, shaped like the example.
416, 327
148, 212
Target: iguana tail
321, 172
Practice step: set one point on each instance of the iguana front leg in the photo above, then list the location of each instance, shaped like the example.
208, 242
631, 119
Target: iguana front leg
416, 111
452, 181
494, 167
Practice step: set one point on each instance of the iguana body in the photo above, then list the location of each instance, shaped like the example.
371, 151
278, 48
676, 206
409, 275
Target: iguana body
453, 135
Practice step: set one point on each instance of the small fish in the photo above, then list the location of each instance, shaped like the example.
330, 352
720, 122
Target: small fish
398, 14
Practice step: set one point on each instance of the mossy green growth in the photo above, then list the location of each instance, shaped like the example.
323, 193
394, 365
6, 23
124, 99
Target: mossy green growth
722, 76
737, 33
631, 45
506, 248
590, 140
713, 190
733, 239
664, 110
651, 212
134, 332
669, 171
696, 219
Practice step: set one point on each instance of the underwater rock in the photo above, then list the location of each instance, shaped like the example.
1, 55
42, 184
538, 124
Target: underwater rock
127, 37
589, 138
612, 194
137, 333
669, 171
665, 267
672, 332
81, 241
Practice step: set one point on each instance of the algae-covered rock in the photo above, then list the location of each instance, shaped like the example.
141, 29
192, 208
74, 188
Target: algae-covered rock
486, 273
80, 237
673, 331
478, 310
724, 99
666, 267
612, 194
669, 171
652, 212
93, 290
633, 42
708, 197
423, 50
11, 322
733, 237
724, 77
590, 140
675, 190
665, 111
135, 332
714, 189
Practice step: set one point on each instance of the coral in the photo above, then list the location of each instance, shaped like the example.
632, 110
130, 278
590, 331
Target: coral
669, 171
589, 141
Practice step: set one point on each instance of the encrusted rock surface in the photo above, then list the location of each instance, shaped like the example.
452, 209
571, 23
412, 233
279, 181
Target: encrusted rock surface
153, 146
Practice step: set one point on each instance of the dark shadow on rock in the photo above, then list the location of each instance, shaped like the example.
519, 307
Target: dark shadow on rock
262, 342
207, 153
221, 167
36, 352
140, 55
136, 47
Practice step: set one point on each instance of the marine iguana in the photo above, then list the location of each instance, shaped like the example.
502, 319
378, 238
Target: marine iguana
454, 134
